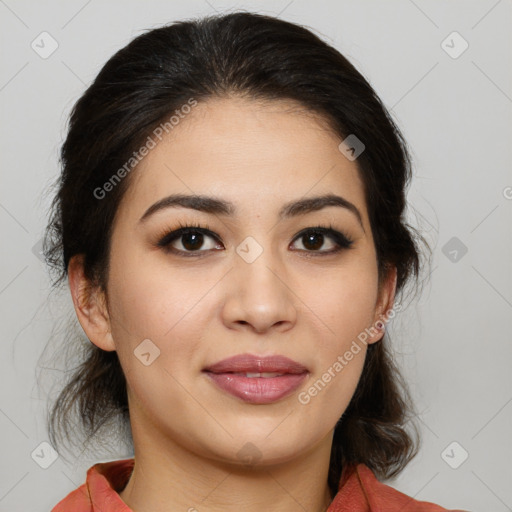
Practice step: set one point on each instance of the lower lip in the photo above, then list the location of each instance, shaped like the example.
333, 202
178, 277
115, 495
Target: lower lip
258, 390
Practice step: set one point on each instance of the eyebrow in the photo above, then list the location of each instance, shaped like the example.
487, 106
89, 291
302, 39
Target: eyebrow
217, 206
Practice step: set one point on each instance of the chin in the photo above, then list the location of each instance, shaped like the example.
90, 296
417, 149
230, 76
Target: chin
255, 449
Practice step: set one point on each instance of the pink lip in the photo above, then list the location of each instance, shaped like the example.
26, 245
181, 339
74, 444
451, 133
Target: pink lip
229, 375
256, 364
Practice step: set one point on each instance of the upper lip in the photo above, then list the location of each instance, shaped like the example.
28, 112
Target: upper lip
256, 364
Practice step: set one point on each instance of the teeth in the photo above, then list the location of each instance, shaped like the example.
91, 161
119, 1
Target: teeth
265, 375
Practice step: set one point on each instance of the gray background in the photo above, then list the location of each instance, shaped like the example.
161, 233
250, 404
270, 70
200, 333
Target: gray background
454, 342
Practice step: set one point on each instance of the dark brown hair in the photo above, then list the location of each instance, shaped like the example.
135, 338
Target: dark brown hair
257, 57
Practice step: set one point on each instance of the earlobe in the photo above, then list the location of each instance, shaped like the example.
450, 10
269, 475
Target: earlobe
384, 305
90, 306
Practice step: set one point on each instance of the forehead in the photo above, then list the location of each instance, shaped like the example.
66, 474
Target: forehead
255, 154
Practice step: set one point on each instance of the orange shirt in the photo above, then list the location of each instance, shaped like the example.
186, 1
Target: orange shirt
359, 491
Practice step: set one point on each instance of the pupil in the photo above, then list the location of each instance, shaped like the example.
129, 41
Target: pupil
311, 238
196, 242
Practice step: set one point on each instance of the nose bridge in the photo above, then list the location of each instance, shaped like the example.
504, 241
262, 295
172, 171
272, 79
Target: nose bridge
258, 261
259, 295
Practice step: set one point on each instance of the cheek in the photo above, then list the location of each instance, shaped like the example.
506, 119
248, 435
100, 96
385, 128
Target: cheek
344, 308
323, 402
344, 303
151, 300
170, 309
154, 310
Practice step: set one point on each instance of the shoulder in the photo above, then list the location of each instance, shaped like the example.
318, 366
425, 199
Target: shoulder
77, 500
100, 490
360, 491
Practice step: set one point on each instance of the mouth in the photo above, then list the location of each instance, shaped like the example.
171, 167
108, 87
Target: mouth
257, 379
252, 375
254, 364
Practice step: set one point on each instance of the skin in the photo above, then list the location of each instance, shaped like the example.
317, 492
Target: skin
198, 310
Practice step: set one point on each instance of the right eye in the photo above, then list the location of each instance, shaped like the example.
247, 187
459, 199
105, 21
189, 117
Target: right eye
190, 238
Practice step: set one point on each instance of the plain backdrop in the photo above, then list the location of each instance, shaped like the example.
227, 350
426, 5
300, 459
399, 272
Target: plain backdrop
443, 69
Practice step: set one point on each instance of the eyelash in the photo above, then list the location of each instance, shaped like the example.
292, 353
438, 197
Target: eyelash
167, 237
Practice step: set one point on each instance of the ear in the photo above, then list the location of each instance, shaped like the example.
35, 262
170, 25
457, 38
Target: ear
90, 306
385, 301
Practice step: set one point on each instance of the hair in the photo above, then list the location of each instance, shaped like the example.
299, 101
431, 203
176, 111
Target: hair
256, 57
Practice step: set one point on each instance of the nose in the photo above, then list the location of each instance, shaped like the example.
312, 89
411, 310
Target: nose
258, 296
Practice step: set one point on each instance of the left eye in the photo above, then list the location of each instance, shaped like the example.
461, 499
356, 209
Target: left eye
314, 240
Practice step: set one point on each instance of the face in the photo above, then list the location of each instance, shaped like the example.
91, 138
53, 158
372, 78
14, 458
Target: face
244, 280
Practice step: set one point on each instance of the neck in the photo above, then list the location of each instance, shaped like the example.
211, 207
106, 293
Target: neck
169, 477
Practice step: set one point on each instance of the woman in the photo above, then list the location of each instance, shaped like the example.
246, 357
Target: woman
230, 222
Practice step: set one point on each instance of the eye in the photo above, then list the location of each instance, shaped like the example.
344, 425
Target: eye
189, 240
314, 238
